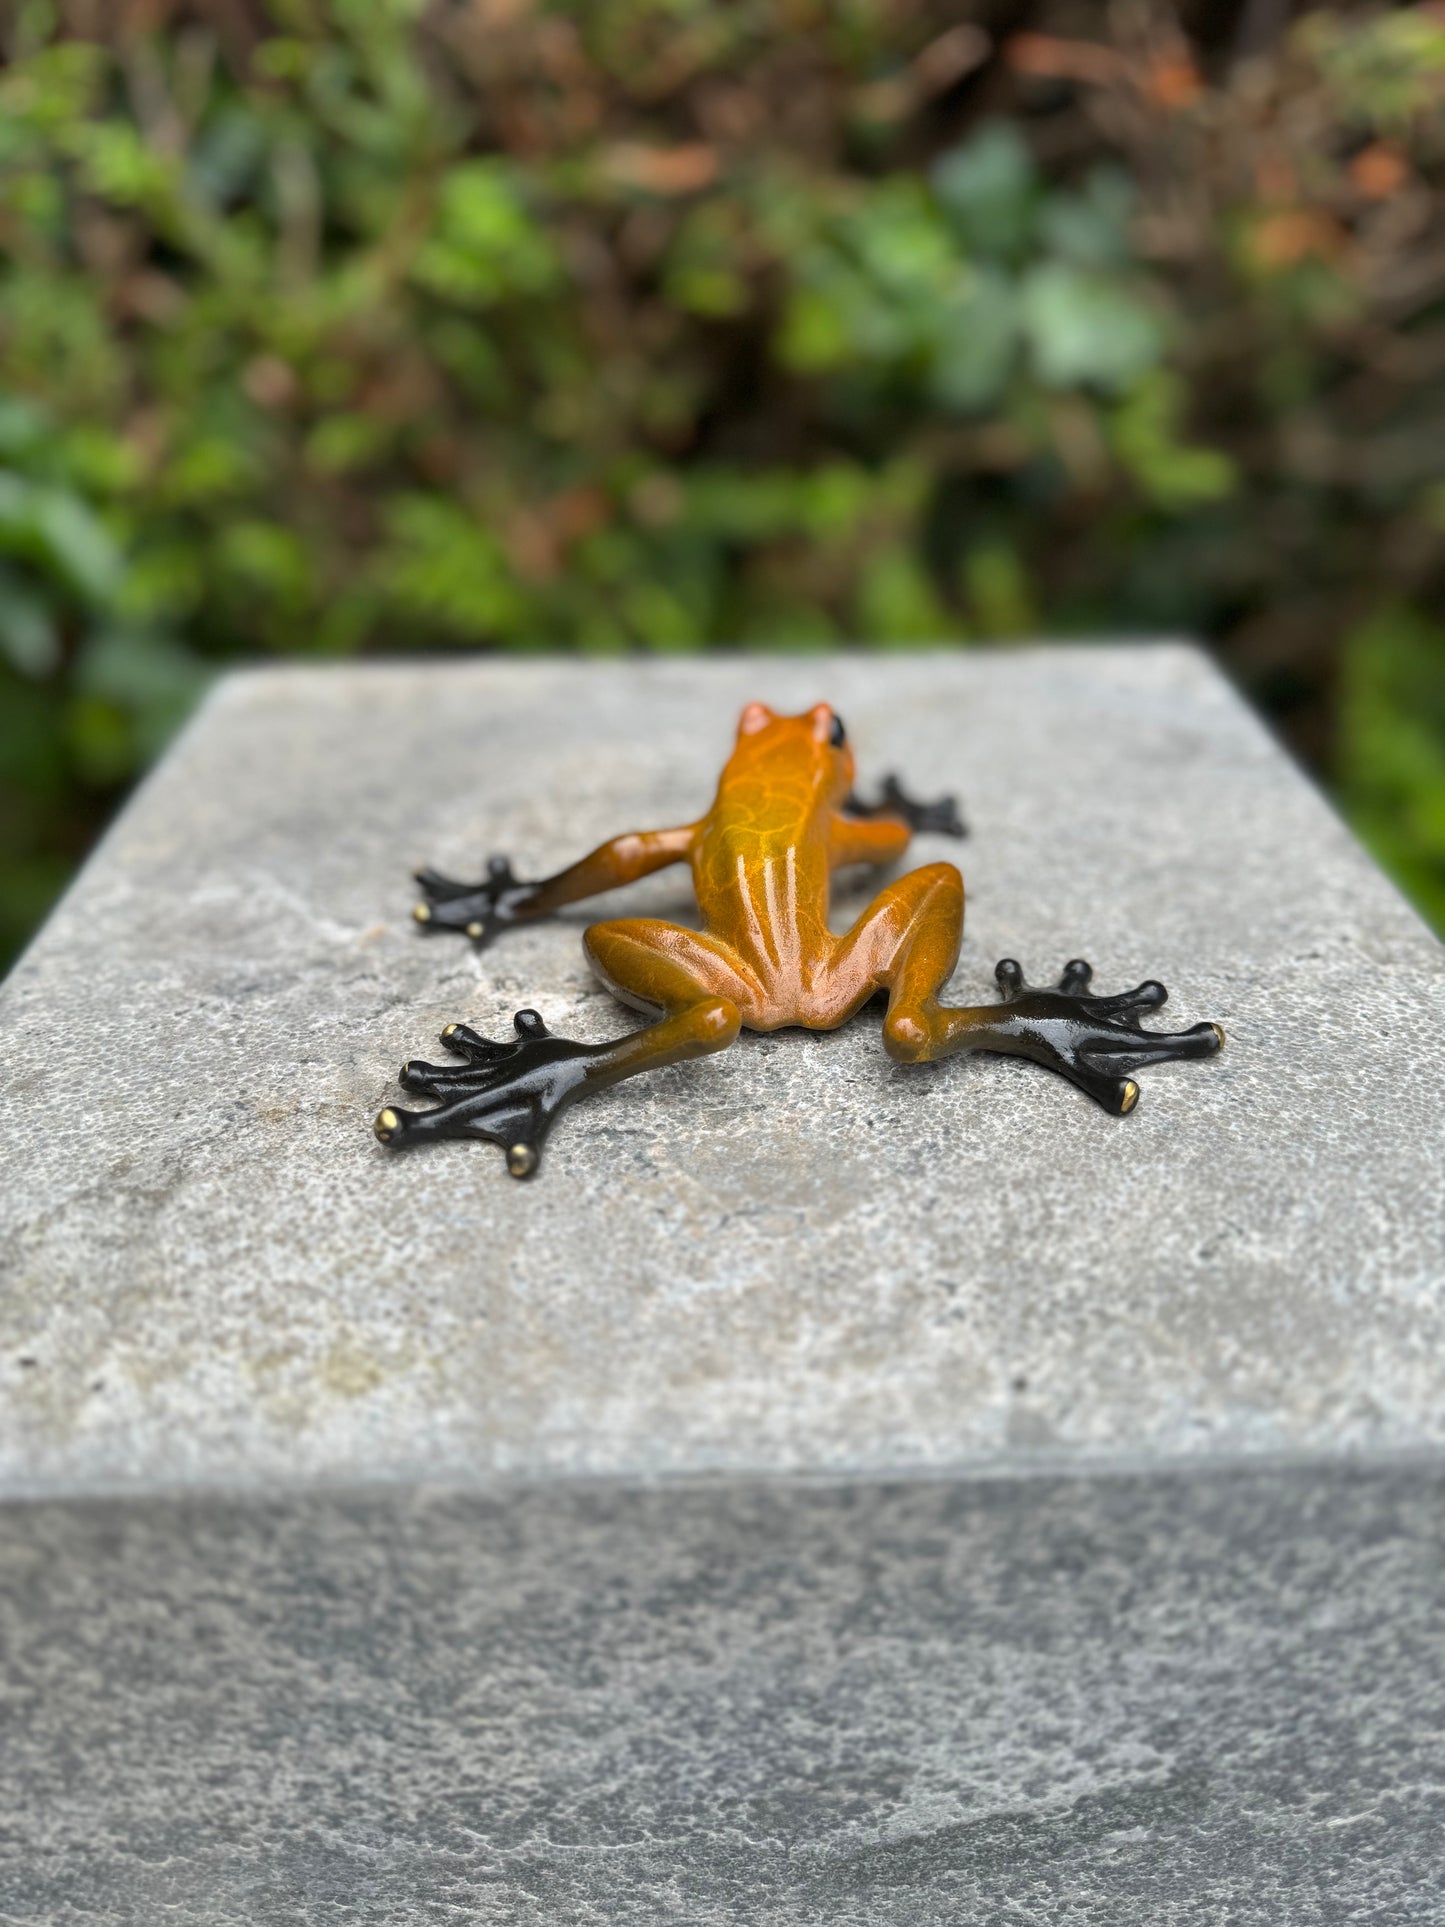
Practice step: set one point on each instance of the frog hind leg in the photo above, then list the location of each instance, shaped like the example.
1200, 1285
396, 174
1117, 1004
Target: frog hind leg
908, 942
511, 1092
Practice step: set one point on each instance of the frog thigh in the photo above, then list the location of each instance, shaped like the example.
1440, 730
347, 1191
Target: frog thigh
655, 966
907, 939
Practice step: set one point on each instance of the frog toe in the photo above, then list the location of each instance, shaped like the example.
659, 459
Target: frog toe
1097, 1043
508, 1092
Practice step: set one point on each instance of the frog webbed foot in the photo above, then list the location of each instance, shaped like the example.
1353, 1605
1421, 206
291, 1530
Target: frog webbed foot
508, 1092
940, 818
478, 910
1096, 1042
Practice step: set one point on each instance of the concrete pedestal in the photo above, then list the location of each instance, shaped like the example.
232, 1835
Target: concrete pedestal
275, 1673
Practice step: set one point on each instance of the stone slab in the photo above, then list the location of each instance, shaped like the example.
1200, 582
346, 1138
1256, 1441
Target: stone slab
794, 1257
1180, 1701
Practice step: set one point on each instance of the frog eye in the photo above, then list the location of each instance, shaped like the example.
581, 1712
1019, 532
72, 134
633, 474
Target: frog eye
839, 735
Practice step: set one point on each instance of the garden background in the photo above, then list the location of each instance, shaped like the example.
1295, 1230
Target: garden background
351, 326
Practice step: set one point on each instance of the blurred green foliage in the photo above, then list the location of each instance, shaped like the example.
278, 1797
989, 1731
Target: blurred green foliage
1392, 750
342, 325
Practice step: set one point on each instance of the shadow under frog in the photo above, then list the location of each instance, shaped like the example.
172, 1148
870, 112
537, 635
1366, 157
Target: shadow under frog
784, 818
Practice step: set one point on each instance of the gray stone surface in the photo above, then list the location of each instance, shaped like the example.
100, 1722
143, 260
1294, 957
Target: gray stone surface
793, 1257
1172, 1701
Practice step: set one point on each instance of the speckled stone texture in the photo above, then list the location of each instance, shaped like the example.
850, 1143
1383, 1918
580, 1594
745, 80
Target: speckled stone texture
793, 1257
1168, 1702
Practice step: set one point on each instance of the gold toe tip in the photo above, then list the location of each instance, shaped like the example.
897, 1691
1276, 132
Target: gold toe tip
474, 930
385, 1125
450, 1031
422, 912
521, 1160
1129, 1098
1218, 1030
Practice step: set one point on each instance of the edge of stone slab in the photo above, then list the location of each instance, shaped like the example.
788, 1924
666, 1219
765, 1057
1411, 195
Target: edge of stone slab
999, 1469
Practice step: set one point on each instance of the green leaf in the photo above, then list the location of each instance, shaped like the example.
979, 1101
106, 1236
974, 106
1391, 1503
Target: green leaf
444, 566
978, 343
60, 534
98, 462
227, 155
833, 500
266, 560
989, 188
208, 468
1145, 433
28, 638
119, 165
814, 336
1386, 69
79, 545
168, 579
24, 428
343, 443
484, 245
707, 288
1091, 228
1087, 329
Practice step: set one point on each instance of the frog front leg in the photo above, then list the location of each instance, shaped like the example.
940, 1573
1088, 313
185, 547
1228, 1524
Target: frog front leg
480, 910
908, 942
939, 817
511, 1092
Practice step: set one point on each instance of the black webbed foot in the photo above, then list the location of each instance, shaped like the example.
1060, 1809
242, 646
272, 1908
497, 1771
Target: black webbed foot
508, 1092
1096, 1042
478, 910
940, 817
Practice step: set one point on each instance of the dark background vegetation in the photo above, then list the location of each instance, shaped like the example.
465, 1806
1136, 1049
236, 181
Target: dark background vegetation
340, 326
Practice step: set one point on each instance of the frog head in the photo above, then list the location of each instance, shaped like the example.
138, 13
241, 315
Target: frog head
814, 743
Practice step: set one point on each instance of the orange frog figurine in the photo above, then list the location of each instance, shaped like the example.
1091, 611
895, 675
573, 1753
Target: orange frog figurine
784, 818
